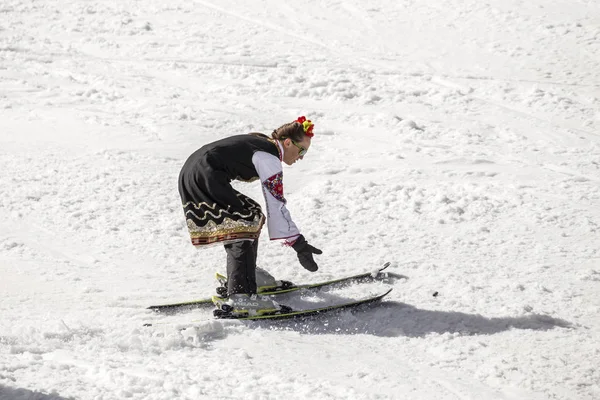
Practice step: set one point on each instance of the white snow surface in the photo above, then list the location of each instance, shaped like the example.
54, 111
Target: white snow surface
458, 139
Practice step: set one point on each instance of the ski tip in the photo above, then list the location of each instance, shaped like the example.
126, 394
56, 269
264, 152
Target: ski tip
147, 325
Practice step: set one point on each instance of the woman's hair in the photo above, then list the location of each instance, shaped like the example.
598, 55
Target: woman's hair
293, 130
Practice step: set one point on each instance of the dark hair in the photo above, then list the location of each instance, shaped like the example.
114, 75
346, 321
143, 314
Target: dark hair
293, 130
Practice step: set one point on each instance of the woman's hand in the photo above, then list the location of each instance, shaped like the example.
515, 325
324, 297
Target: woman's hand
305, 253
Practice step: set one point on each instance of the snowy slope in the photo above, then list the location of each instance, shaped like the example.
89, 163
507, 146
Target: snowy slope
458, 139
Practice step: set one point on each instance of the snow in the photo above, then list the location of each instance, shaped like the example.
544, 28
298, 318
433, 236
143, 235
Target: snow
459, 140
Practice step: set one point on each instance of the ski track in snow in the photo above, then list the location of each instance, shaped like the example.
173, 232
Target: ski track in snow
459, 140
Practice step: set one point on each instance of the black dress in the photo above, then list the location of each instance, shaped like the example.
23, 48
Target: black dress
214, 211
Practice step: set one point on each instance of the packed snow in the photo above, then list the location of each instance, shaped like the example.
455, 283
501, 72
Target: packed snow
459, 140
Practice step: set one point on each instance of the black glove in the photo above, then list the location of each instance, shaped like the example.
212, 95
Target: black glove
305, 253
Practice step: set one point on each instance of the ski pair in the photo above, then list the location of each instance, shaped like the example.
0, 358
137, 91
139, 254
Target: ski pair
273, 291
298, 314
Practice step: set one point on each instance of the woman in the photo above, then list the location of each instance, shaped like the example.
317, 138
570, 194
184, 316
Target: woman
217, 213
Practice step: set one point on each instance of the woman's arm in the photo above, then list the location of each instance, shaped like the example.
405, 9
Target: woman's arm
279, 220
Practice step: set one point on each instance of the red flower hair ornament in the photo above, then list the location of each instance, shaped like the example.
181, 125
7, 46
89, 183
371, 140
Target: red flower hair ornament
307, 125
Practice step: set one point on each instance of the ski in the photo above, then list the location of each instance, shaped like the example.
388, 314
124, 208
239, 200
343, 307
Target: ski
293, 314
311, 286
303, 313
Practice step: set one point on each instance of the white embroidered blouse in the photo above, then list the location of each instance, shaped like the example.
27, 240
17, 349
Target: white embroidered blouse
270, 173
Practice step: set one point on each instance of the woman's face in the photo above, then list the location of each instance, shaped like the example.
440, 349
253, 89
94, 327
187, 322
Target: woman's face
291, 150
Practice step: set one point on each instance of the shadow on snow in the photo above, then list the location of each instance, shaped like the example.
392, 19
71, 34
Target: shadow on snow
391, 319
7, 393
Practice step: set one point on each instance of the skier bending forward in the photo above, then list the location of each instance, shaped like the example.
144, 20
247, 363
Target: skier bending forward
217, 213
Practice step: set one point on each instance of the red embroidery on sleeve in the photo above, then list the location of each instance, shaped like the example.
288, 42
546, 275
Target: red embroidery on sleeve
274, 185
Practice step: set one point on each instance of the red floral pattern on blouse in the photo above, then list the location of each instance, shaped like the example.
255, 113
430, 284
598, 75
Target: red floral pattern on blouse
274, 185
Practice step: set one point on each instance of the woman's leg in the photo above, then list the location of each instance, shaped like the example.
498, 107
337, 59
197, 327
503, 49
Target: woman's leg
241, 267
255, 249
